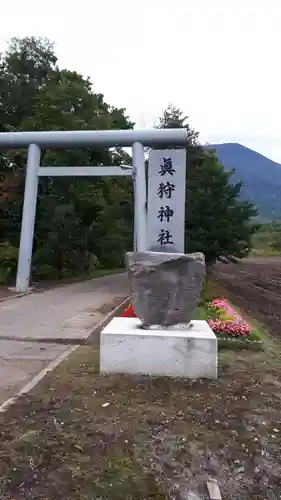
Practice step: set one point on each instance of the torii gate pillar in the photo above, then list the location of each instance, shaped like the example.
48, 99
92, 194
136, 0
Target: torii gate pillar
35, 141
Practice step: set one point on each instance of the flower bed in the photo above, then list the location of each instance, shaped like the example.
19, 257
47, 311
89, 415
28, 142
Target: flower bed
228, 326
228, 321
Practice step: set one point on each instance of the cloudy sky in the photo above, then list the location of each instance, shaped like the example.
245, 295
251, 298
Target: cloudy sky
218, 60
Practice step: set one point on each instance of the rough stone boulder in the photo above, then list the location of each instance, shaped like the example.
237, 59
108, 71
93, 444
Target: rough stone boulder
165, 286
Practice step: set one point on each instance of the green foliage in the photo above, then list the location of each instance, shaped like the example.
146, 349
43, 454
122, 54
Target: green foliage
204, 309
8, 262
217, 222
24, 70
81, 224
254, 336
174, 118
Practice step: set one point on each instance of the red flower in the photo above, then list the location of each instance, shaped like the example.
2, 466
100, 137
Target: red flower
129, 312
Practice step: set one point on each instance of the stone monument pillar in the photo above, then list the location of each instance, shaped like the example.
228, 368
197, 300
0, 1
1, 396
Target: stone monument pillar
162, 340
165, 286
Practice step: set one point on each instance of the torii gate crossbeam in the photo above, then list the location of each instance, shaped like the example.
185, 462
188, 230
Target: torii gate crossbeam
137, 139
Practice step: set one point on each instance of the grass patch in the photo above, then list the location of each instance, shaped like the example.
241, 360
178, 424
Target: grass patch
83, 436
210, 291
254, 337
262, 241
264, 252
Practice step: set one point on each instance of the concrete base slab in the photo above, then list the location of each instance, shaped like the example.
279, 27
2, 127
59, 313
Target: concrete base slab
188, 351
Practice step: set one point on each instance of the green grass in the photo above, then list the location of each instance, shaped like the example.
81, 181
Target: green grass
204, 312
262, 241
254, 337
210, 291
264, 252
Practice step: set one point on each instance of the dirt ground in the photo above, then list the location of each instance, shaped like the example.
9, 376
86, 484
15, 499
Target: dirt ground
255, 286
82, 436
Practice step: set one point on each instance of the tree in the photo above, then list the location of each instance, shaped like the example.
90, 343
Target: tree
174, 118
218, 223
24, 69
79, 222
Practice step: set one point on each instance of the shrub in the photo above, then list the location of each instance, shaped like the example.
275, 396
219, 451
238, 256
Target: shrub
8, 262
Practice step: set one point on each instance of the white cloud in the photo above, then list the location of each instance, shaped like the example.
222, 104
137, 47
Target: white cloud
216, 59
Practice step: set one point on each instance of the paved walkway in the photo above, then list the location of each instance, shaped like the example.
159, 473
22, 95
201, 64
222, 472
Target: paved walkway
35, 329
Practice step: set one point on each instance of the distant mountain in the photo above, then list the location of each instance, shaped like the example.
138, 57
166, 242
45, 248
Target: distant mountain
260, 176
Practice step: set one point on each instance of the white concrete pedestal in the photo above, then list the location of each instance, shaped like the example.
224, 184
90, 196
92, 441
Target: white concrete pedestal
178, 351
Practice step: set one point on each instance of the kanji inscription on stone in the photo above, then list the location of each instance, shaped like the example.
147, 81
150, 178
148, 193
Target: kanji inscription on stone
166, 200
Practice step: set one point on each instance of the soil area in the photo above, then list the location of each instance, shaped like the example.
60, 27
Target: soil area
82, 436
255, 286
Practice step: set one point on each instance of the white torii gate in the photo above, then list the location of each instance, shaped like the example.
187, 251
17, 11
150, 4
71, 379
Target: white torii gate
35, 141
